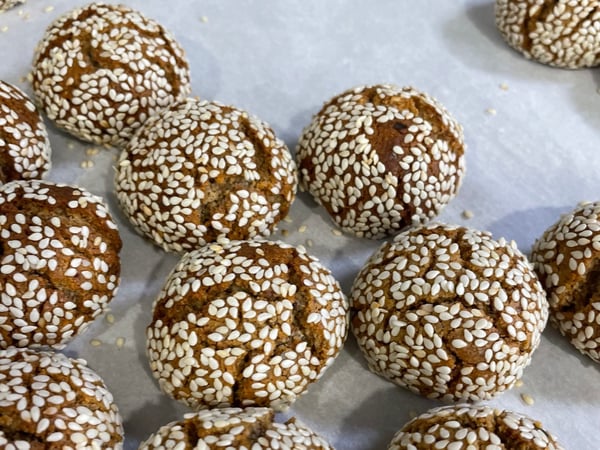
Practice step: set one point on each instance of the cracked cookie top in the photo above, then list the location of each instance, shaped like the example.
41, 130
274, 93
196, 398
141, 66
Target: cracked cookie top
201, 171
239, 428
466, 426
50, 401
448, 312
379, 158
102, 70
245, 323
59, 262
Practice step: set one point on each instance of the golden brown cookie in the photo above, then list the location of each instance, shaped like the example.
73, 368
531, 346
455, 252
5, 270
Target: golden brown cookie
50, 401
243, 429
24, 146
567, 260
59, 265
245, 323
448, 312
101, 71
473, 427
561, 33
379, 158
201, 171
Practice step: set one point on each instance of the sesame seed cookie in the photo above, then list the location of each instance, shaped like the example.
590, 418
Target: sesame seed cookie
59, 265
448, 312
101, 70
243, 429
379, 158
472, 427
567, 260
24, 146
561, 33
201, 171
51, 401
245, 323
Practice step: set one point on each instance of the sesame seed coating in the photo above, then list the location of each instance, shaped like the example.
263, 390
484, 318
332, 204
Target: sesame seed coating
50, 401
234, 428
448, 312
379, 158
59, 265
7, 4
561, 33
567, 260
24, 146
201, 171
473, 427
245, 323
100, 71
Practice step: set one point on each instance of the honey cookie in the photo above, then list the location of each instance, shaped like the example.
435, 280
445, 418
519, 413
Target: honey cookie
567, 260
471, 427
448, 312
24, 146
52, 399
101, 70
59, 265
379, 158
243, 429
245, 323
201, 171
561, 33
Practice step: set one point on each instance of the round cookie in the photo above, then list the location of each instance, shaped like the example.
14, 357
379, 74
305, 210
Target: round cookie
201, 171
243, 429
379, 158
24, 146
561, 33
448, 312
567, 260
245, 323
101, 70
55, 400
59, 265
472, 427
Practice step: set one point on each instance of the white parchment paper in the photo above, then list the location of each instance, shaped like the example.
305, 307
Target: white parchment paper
533, 153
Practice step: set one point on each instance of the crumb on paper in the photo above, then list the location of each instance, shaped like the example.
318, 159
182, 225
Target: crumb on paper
91, 151
49, 9
70, 146
87, 164
336, 232
491, 111
285, 232
4, 29
504, 86
120, 342
519, 383
302, 228
96, 342
528, 399
287, 219
309, 243
110, 318
467, 214
204, 19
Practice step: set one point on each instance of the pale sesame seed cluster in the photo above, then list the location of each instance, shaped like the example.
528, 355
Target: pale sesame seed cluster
7, 4
567, 260
59, 265
562, 33
50, 401
100, 71
467, 427
24, 146
448, 312
379, 158
234, 428
245, 323
201, 171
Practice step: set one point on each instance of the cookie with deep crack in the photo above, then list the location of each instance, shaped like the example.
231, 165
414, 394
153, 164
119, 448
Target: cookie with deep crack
59, 266
245, 323
243, 429
448, 312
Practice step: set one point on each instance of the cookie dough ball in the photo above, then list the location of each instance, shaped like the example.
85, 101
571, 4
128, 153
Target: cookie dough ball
51, 401
471, 427
244, 429
247, 323
59, 265
24, 145
201, 171
379, 158
567, 260
100, 71
448, 312
561, 33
